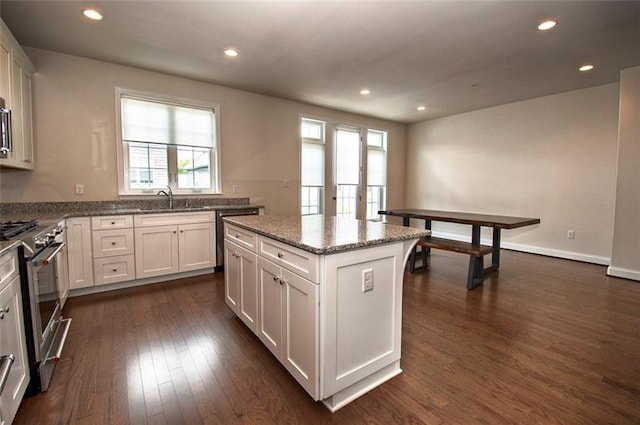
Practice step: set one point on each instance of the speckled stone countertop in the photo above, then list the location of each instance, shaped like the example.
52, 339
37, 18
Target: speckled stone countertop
59, 210
321, 234
6, 246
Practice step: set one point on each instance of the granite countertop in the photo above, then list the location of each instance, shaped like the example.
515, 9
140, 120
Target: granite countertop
79, 210
320, 234
6, 246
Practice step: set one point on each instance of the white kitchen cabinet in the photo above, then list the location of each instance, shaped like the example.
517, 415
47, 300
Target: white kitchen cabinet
79, 252
338, 337
12, 337
288, 321
241, 285
173, 243
113, 247
109, 243
156, 251
114, 269
196, 246
15, 88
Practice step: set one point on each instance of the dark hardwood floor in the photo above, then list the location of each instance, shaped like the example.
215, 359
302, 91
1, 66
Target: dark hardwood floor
544, 341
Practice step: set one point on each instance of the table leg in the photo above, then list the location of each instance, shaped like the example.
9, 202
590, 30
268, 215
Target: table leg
476, 272
475, 276
495, 255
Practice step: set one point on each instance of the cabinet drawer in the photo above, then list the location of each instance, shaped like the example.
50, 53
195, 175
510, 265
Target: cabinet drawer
298, 261
240, 236
8, 266
114, 269
111, 222
164, 219
108, 243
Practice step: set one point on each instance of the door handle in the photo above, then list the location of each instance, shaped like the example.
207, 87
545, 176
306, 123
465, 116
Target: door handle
5, 366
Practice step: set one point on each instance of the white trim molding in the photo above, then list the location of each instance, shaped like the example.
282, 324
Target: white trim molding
623, 273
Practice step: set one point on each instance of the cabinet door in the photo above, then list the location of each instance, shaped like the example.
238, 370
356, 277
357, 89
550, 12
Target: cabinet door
300, 355
5, 68
78, 233
248, 308
12, 341
231, 276
197, 246
156, 251
270, 293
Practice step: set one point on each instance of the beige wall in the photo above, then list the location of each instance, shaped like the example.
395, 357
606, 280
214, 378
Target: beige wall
74, 129
625, 258
552, 157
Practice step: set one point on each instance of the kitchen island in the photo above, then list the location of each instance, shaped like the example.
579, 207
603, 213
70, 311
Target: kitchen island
324, 295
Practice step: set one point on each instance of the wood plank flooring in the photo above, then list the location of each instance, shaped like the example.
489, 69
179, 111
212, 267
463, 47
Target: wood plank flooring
544, 341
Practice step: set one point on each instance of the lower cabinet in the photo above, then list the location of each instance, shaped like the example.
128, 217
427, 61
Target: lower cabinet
156, 251
13, 348
288, 321
78, 233
241, 284
170, 249
338, 337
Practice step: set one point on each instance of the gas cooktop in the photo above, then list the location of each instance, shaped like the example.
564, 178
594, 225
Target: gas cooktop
10, 229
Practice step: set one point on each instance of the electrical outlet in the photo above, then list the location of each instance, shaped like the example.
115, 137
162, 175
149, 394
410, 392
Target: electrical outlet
236, 188
285, 182
79, 189
571, 234
367, 280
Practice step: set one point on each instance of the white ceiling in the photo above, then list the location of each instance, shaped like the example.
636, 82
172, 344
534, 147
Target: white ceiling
451, 56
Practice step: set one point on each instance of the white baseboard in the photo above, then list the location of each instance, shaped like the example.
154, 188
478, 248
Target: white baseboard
549, 252
624, 273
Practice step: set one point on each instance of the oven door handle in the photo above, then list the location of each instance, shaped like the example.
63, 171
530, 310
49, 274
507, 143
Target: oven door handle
49, 255
5, 367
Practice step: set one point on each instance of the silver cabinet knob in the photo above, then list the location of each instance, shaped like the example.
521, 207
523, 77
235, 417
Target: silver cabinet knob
113, 243
280, 255
282, 281
276, 278
114, 270
113, 222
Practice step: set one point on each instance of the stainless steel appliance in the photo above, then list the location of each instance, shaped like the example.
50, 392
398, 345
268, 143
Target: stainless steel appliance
220, 230
5, 130
40, 260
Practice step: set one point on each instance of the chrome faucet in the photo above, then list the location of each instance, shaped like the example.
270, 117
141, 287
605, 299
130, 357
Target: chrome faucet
168, 194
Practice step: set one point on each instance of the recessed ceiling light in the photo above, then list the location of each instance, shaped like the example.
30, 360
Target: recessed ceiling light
585, 68
547, 25
232, 53
365, 92
421, 108
92, 14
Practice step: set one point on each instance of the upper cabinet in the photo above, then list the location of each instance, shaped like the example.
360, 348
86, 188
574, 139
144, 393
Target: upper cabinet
15, 88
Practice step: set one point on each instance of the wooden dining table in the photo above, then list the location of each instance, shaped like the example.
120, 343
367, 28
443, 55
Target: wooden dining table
477, 221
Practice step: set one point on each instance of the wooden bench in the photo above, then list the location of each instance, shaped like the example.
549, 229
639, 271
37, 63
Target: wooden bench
475, 253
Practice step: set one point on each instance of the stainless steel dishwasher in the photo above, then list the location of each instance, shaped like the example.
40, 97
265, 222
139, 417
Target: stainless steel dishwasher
220, 230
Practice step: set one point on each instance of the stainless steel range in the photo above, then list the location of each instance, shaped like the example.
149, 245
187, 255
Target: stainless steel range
41, 258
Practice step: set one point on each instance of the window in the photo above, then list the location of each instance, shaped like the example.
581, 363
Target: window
355, 167
312, 134
167, 143
347, 171
376, 172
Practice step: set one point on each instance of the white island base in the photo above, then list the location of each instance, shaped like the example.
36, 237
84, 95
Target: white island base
333, 320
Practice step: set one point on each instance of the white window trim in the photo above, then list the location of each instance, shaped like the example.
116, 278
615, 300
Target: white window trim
156, 97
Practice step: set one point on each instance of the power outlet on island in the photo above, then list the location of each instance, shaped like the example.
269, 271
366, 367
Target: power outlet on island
571, 234
79, 189
367, 280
